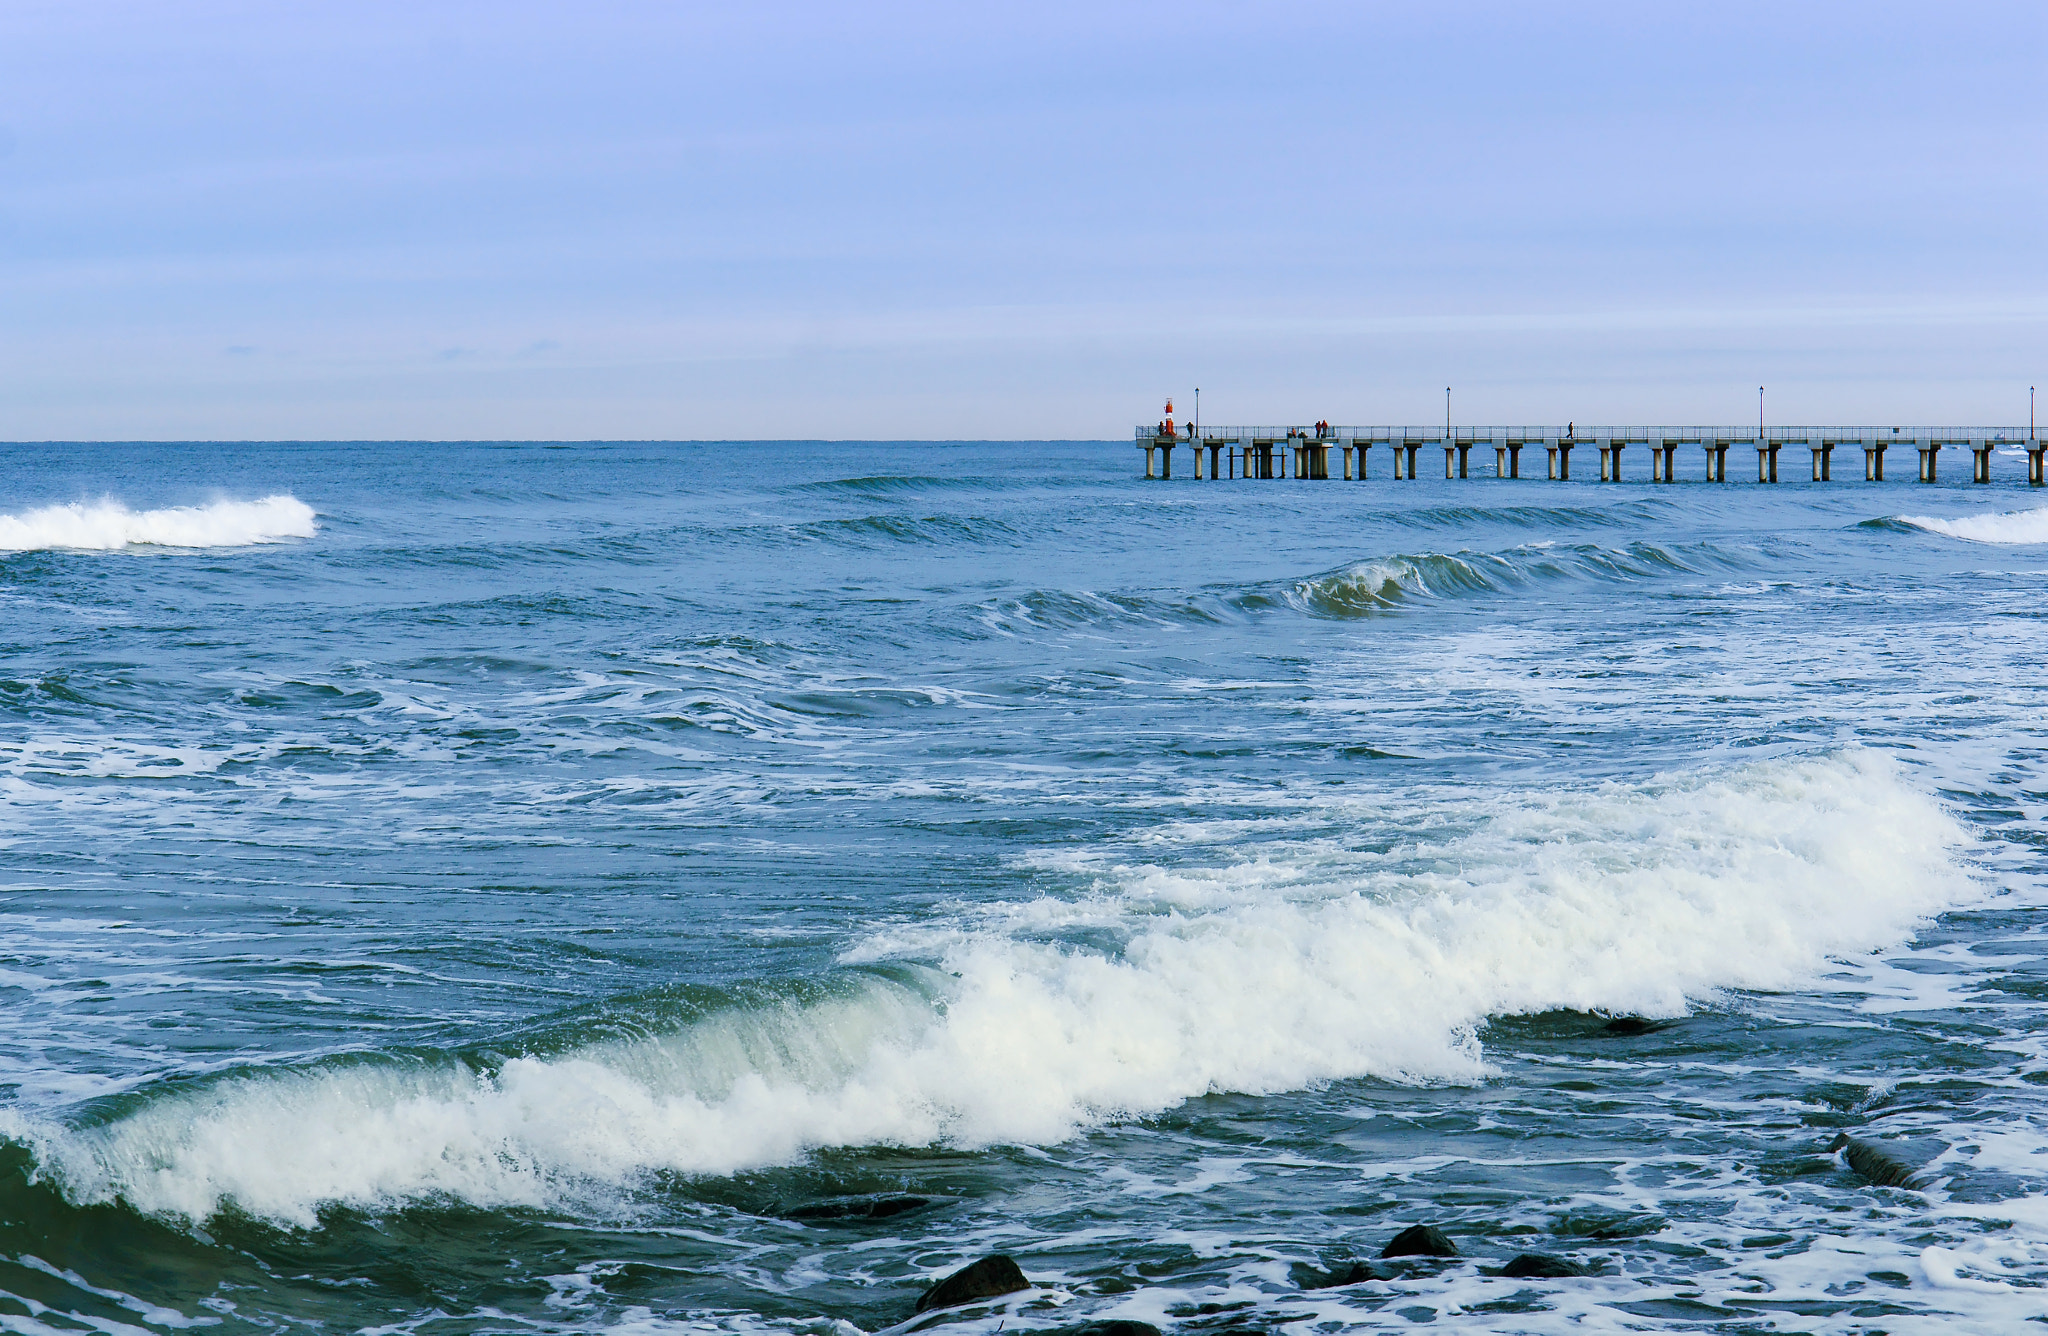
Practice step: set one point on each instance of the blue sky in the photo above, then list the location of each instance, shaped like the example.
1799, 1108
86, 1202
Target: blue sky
895, 220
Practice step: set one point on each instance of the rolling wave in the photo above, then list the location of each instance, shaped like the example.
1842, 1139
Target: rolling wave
1032, 1021
106, 526
1362, 588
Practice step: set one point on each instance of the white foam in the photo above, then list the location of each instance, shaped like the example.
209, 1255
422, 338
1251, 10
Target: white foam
1311, 963
105, 526
2011, 526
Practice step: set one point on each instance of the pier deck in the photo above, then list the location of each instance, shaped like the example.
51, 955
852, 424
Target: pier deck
1304, 452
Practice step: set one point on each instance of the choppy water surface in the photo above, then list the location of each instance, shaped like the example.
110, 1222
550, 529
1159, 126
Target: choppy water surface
561, 888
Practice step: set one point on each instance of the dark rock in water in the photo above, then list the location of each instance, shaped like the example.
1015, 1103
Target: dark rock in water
1113, 1326
877, 1207
1353, 1273
1542, 1266
1876, 1164
989, 1278
1625, 1025
1420, 1241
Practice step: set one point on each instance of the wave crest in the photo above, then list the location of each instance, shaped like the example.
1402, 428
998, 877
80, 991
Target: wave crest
108, 526
2010, 526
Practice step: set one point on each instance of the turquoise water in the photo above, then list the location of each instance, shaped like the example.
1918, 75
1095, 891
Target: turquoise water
558, 887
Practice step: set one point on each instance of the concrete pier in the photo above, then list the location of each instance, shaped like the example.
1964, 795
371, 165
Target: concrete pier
1255, 452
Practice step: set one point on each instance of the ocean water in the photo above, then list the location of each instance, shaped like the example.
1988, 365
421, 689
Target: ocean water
587, 888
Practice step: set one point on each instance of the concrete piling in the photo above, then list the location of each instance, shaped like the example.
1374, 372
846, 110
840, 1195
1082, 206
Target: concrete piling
1610, 460
1873, 461
1823, 455
1928, 451
1560, 453
2034, 471
1980, 463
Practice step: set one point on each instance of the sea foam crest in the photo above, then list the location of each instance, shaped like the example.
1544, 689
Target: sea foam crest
1315, 961
109, 525
2011, 526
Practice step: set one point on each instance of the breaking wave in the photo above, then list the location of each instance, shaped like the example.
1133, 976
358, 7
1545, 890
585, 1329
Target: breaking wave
105, 526
1315, 960
2010, 526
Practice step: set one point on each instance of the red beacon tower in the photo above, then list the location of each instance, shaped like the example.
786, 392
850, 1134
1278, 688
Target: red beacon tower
1169, 417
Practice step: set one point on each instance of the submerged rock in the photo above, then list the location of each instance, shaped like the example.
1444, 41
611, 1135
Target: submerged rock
1542, 1266
1877, 1164
989, 1278
1420, 1241
1351, 1273
878, 1206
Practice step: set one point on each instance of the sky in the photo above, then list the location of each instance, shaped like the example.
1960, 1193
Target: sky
769, 220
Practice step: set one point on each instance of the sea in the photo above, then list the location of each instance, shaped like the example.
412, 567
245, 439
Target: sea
653, 888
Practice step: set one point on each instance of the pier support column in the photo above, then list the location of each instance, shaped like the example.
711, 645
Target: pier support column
1464, 454
1928, 450
1411, 451
1980, 470
1610, 461
1822, 460
1873, 462
1514, 459
2034, 470
1150, 463
1448, 451
1717, 461
1364, 449
1500, 461
1166, 459
1197, 450
1767, 461
1347, 462
1214, 452
1560, 461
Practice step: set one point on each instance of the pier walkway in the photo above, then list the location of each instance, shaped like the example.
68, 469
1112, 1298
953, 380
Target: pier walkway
1305, 452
